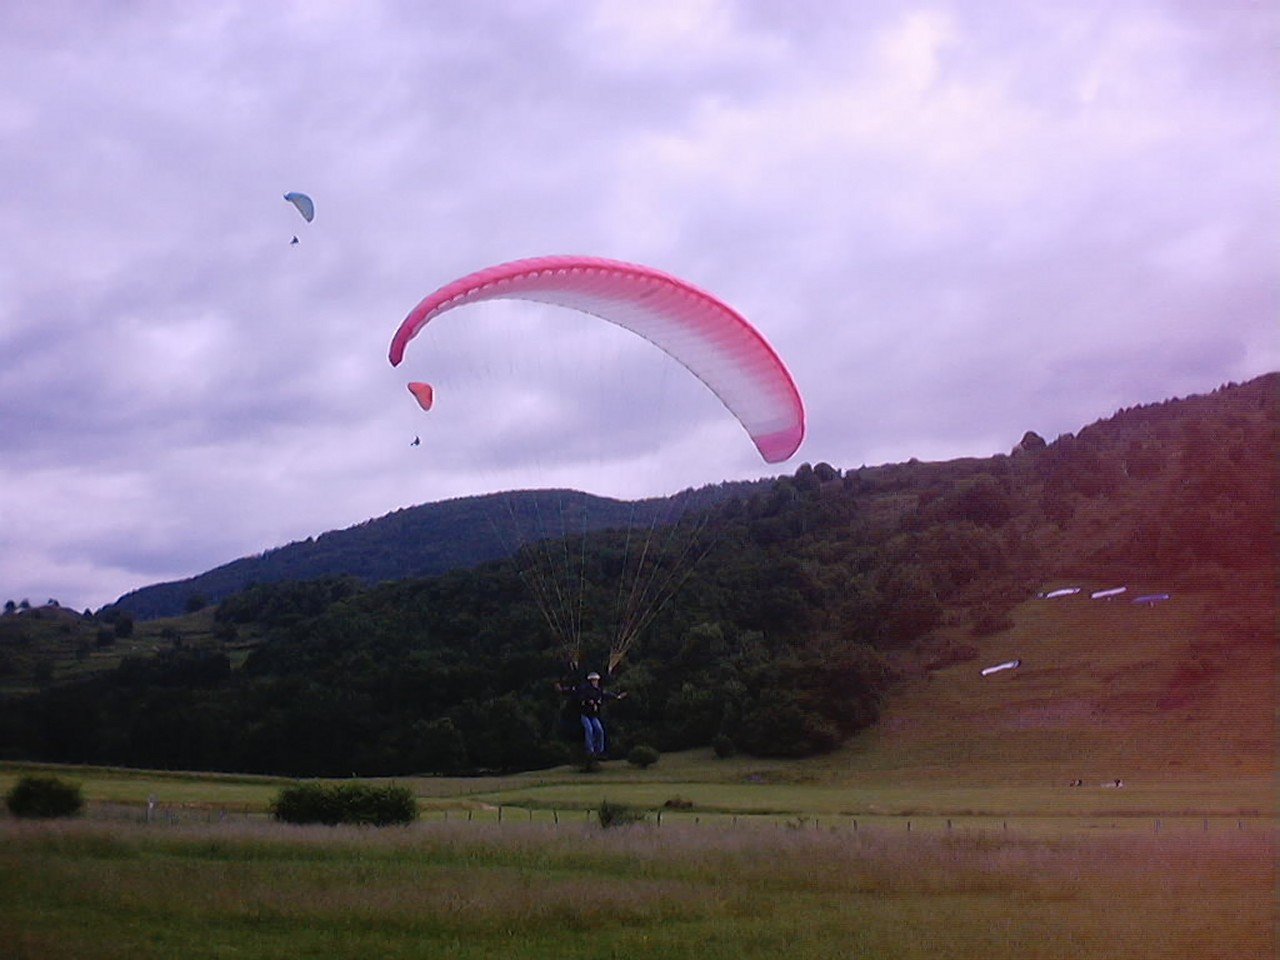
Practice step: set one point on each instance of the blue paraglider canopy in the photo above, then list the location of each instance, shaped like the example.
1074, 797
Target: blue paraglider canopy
304, 205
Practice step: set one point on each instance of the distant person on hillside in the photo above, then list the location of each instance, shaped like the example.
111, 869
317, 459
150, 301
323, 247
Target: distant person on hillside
589, 697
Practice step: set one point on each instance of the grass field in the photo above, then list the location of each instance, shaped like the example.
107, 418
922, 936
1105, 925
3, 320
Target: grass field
950, 830
697, 783
519, 866
260, 890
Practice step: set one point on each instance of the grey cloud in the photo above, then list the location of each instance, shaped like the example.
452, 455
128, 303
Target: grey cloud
955, 223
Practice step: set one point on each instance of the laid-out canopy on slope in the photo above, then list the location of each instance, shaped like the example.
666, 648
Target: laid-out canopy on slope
715, 342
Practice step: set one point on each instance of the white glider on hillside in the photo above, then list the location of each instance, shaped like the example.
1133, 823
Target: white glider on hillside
1007, 665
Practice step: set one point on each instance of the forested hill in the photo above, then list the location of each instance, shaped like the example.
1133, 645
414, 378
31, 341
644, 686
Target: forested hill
805, 601
431, 539
420, 541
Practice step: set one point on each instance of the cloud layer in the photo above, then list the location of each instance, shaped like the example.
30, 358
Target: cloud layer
956, 222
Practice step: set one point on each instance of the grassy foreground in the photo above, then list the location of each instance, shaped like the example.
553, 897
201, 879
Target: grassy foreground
92, 889
949, 830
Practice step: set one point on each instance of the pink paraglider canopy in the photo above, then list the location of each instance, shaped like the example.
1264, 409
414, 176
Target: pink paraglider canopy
711, 339
423, 393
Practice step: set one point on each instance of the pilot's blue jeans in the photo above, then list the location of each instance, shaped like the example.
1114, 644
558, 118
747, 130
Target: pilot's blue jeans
594, 730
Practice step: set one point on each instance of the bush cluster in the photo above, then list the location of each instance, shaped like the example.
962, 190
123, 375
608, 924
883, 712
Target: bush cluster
642, 756
44, 797
618, 815
357, 803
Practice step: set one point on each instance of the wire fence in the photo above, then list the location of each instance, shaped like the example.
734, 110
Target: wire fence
157, 812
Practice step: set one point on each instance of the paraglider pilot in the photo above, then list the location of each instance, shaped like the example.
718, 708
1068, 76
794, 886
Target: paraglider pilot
590, 697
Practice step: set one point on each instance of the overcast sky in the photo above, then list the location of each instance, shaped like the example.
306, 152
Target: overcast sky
955, 221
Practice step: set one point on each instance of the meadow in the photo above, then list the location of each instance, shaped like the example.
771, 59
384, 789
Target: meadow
94, 889
949, 830
168, 864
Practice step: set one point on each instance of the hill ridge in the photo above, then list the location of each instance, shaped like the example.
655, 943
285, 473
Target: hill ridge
417, 541
459, 533
823, 601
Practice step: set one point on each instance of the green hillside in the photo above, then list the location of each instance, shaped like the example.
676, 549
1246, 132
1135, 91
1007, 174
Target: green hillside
1106, 689
840, 615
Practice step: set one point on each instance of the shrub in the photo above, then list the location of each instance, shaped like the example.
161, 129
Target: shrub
642, 756
358, 803
43, 797
618, 815
724, 747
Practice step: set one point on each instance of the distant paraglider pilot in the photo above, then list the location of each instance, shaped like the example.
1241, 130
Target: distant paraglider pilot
589, 697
